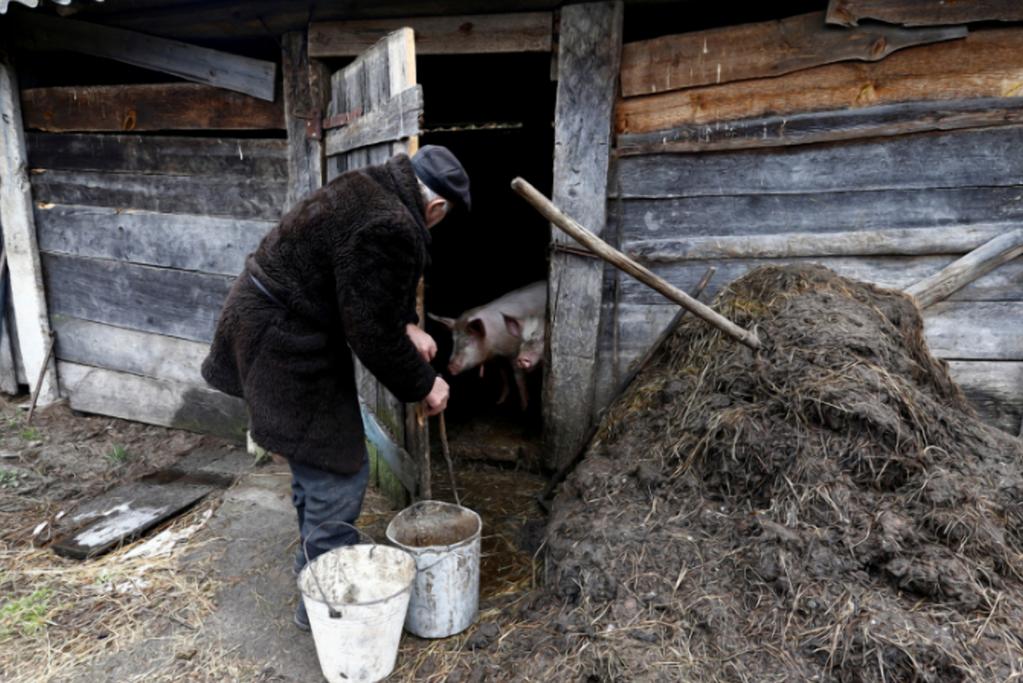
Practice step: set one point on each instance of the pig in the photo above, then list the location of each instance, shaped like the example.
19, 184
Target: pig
531, 331
481, 334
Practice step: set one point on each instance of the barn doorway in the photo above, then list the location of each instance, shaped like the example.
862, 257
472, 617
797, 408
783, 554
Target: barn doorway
495, 112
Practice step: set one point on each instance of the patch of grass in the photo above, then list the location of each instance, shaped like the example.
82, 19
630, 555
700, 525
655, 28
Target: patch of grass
9, 479
25, 615
118, 455
31, 434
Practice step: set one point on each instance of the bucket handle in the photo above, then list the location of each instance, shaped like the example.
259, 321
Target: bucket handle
335, 612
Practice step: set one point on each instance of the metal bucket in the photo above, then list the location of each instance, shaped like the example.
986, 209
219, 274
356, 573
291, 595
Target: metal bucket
356, 597
444, 539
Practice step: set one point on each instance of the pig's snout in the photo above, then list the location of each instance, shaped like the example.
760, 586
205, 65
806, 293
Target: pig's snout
524, 363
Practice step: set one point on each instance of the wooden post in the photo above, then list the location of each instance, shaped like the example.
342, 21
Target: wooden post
965, 270
27, 292
589, 55
303, 102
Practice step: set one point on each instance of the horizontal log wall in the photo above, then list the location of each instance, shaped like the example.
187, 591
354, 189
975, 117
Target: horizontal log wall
889, 210
141, 237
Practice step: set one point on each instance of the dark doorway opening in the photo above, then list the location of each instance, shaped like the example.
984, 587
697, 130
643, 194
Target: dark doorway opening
495, 112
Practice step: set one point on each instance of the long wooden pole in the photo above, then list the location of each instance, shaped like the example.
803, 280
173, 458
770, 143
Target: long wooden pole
970, 267
623, 262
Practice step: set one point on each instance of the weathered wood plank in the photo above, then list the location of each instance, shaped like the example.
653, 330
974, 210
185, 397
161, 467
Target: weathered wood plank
1001, 249
138, 353
8, 368
922, 12
395, 119
826, 126
398, 460
193, 63
764, 49
203, 195
963, 158
124, 513
974, 330
172, 302
995, 388
159, 402
589, 57
820, 213
899, 241
895, 272
301, 104
448, 35
158, 155
151, 107
27, 290
204, 243
987, 63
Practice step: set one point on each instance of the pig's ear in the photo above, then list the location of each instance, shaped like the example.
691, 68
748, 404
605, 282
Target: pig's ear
513, 325
476, 327
446, 322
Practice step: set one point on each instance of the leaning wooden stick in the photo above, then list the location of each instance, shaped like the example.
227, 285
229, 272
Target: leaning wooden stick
623, 262
39, 381
446, 449
970, 267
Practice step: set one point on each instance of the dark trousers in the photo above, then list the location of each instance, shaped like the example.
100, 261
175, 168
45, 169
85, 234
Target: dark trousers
322, 498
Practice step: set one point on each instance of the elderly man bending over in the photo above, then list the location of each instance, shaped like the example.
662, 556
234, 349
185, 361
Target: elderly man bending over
339, 271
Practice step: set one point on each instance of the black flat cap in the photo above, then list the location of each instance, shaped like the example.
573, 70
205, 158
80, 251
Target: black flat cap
440, 171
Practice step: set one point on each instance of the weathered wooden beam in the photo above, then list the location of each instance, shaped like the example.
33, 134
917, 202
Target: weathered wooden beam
207, 244
994, 389
245, 159
589, 58
396, 119
28, 292
769, 48
970, 267
161, 106
925, 161
210, 195
923, 12
987, 63
628, 265
304, 101
886, 242
887, 120
172, 302
193, 63
448, 35
153, 401
140, 353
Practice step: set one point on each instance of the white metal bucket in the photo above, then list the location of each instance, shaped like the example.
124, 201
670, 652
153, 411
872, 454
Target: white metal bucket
444, 539
356, 597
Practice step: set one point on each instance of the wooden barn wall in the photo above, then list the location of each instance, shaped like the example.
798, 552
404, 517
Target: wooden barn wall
879, 204
141, 237
890, 211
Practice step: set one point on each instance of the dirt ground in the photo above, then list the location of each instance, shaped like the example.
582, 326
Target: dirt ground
214, 601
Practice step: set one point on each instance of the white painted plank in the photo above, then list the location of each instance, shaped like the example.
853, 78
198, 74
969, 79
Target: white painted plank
19, 232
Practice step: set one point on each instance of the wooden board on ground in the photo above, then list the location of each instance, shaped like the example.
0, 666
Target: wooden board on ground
193, 63
765, 49
987, 63
923, 12
468, 34
125, 512
150, 107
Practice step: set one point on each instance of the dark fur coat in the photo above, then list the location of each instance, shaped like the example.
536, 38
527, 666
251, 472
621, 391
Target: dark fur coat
341, 271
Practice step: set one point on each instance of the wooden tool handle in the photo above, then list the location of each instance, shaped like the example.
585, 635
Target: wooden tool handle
623, 262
